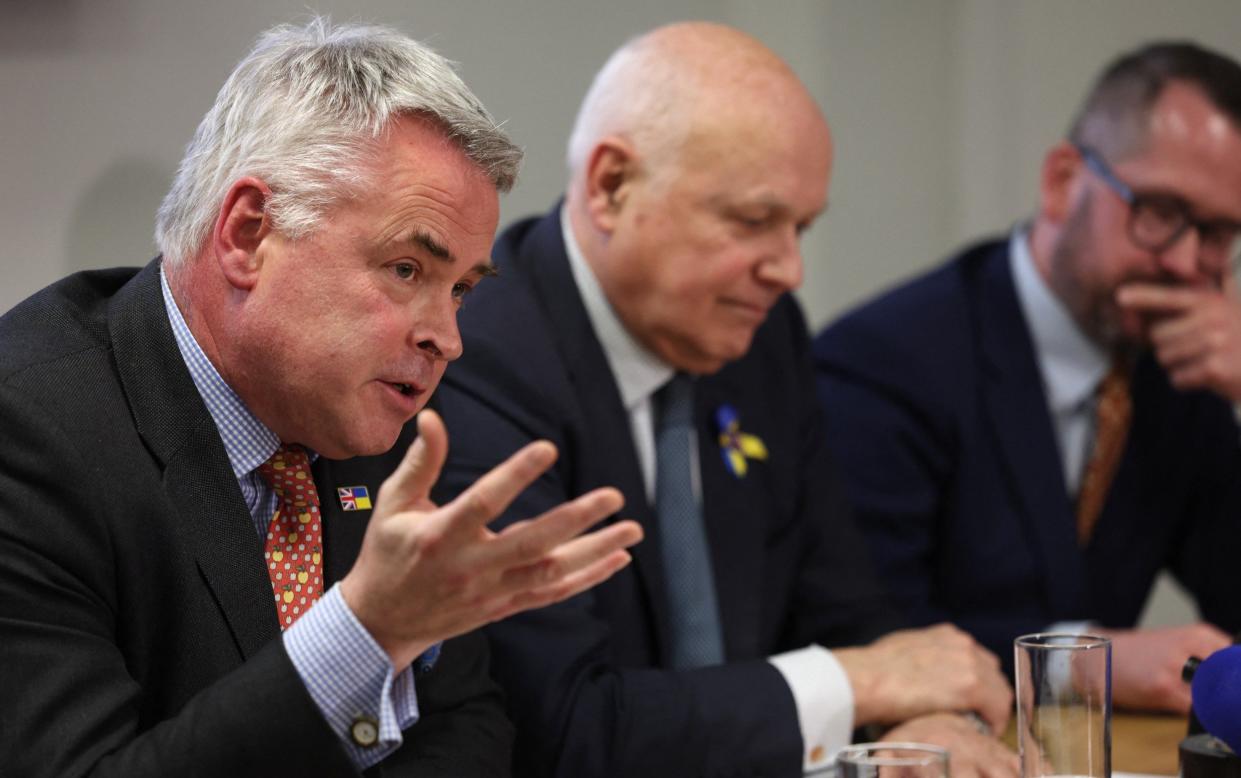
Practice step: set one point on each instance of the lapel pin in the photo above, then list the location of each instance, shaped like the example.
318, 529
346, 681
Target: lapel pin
354, 498
737, 447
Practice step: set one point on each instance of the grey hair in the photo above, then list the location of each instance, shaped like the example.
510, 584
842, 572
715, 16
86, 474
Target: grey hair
302, 112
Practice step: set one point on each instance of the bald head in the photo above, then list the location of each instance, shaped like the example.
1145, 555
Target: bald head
661, 87
697, 162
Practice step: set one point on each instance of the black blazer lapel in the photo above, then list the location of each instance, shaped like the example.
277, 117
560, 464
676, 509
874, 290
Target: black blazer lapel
734, 512
344, 528
542, 251
1016, 407
199, 484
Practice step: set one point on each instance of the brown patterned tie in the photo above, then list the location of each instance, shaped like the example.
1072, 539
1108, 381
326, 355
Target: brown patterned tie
294, 544
1112, 415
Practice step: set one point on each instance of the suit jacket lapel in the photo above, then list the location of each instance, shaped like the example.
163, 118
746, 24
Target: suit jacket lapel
733, 512
199, 483
1016, 406
543, 252
343, 529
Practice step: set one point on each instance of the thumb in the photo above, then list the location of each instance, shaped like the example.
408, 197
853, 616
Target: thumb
412, 480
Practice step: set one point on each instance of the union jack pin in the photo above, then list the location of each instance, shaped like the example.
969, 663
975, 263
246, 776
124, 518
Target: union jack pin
354, 498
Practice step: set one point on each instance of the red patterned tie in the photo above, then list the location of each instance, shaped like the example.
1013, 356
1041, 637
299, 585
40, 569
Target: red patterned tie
1112, 416
294, 547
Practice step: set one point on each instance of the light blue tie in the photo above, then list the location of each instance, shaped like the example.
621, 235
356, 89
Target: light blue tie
696, 639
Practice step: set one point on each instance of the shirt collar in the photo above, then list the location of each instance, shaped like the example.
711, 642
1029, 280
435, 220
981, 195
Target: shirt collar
639, 373
1071, 363
247, 441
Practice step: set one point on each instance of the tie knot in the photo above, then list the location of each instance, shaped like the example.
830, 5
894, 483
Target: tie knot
674, 402
287, 472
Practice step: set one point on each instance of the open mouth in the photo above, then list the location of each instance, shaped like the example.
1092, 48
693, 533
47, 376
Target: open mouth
404, 389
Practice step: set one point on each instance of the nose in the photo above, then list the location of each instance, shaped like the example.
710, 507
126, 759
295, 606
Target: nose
1183, 259
783, 267
435, 330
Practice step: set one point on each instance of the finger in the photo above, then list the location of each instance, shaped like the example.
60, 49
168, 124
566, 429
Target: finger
1192, 375
987, 657
572, 556
420, 467
1173, 352
490, 495
1156, 298
534, 540
569, 586
995, 706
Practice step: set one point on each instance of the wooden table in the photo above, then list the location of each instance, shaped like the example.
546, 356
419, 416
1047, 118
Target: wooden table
1140, 743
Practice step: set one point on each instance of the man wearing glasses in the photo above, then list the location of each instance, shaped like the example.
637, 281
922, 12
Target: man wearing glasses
1031, 432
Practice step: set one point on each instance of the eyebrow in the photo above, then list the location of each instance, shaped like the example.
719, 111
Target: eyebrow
441, 252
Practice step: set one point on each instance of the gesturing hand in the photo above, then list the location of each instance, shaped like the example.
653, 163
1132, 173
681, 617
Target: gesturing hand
428, 573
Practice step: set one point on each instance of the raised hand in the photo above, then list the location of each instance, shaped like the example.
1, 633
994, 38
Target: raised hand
428, 573
1195, 332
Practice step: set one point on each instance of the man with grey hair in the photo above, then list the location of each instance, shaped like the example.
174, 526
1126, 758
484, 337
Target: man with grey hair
193, 452
646, 327
1033, 431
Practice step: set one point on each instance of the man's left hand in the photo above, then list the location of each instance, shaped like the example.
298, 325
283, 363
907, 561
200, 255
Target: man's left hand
971, 753
1196, 333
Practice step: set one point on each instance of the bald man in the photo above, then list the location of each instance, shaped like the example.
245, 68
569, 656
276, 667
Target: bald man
645, 327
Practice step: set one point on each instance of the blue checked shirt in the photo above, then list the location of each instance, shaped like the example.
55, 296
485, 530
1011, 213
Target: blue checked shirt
344, 669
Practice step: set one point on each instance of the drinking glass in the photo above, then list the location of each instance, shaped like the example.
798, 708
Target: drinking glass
1064, 705
892, 760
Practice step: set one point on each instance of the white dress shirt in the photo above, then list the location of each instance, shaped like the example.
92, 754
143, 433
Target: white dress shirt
820, 688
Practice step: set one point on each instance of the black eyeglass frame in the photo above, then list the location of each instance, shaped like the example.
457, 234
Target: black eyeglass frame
1140, 204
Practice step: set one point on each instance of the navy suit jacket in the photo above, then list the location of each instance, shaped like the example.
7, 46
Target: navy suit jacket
938, 419
137, 631
588, 683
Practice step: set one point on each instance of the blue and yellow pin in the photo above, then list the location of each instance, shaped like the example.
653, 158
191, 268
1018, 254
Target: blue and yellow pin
737, 447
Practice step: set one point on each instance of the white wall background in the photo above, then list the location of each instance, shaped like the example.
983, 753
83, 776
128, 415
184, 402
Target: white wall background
941, 109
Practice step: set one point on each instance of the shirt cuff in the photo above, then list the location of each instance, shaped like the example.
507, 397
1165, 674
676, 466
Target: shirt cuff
351, 680
1072, 627
824, 701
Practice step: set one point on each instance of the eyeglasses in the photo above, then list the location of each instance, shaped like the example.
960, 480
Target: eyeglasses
1157, 221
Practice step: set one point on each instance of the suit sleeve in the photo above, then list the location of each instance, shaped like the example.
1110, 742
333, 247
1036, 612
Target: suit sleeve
69, 703
1205, 560
462, 731
840, 599
892, 435
579, 712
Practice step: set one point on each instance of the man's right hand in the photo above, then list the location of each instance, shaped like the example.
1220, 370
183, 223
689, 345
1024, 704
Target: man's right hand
910, 673
1146, 664
428, 573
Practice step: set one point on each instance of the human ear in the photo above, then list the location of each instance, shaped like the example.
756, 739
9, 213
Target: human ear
610, 174
240, 229
1060, 182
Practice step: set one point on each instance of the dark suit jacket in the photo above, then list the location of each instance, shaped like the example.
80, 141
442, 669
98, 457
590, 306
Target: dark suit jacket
587, 682
137, 632
938, 419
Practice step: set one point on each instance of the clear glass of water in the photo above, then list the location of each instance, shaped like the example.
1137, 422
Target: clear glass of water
892, 760
1064, 705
